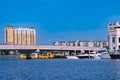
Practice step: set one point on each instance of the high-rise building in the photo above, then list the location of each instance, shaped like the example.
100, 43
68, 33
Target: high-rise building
114, 35
20, 36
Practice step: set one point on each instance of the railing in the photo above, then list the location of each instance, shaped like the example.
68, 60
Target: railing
47, 47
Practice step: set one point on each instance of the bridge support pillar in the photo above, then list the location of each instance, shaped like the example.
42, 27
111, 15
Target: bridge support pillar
68, 53
75, 52
82, 51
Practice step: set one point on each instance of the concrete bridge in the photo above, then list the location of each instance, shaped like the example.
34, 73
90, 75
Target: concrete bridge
64, 49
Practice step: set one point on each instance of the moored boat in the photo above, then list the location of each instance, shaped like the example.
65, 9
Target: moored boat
115, 55
23, 56
59, 56
72, 57
105, 56
93, 55
82, 56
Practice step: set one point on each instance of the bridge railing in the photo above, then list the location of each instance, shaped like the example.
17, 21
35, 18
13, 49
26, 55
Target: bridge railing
46, 47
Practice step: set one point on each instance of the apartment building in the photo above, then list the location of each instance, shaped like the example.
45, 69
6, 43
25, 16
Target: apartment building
20, 36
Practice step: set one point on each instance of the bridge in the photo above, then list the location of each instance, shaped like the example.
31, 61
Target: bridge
64, 49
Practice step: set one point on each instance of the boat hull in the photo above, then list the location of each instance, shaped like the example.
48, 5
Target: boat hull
59, 57
115, 56
84, 56
105, 56
72, 57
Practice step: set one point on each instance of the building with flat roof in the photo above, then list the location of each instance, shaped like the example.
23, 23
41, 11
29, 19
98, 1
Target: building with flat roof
83, 43
114, 35
20, 36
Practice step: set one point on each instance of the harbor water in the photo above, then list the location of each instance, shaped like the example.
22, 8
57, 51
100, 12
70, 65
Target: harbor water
59, 69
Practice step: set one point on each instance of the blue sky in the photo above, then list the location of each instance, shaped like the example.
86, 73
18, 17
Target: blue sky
60, 20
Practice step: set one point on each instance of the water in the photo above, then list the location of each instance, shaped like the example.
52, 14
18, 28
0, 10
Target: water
59, 69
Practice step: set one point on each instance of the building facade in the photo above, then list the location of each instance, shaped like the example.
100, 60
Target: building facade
20, 36
114, 35
98, 44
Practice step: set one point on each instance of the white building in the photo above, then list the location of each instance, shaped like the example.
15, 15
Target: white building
114, 35
85, 43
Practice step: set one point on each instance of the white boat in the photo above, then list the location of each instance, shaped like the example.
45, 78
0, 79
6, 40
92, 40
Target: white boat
72, 57
82, 56
105, 56
93, 55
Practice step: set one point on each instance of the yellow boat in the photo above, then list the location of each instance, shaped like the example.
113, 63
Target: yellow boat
23, 56
48, 55
32, 56
59, 55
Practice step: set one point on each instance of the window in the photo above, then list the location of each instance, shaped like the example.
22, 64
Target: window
78, 43
68, 44
95, 44
85, 44
73, 43
110, 24
119, 46
60, 44
98, 44
110, 28
114, 23
113, 39
119, 40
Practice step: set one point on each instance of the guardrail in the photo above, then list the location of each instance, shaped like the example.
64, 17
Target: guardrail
46, 47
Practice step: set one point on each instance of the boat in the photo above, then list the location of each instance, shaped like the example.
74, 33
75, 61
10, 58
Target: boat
23, 56
26, 56
82, 56
93, 55
72, 57
115, 55
34, 56
105, 56
47, 55
59, 55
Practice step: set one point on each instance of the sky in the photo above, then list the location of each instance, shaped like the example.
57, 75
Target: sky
60, 20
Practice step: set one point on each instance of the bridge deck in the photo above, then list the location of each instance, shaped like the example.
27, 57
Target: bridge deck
46, 47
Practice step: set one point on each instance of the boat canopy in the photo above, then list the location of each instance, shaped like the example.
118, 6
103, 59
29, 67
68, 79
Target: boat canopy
102, 51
